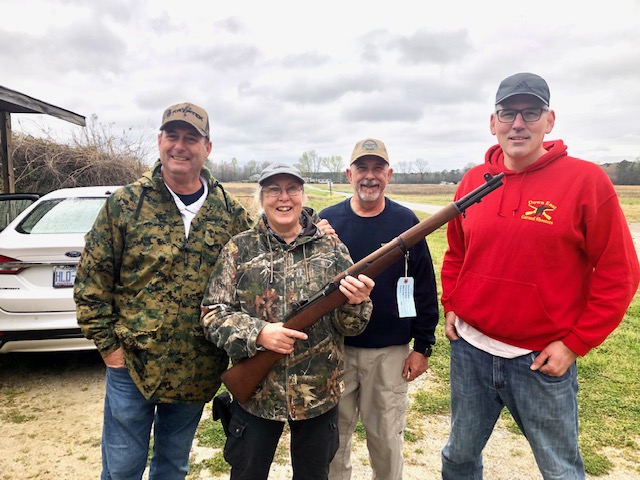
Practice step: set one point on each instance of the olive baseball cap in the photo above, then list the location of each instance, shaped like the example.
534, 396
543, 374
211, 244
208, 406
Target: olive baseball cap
523, 84
280, 169
189, 113
370, 146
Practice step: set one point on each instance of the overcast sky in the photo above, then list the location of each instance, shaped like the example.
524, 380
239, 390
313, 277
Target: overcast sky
279, 78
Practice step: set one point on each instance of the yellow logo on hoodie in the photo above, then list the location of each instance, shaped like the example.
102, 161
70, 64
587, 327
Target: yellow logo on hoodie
540, 211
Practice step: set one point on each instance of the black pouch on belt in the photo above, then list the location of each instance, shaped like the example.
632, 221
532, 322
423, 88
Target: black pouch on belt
221, 410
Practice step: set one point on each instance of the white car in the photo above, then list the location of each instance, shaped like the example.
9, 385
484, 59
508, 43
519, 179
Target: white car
39, 253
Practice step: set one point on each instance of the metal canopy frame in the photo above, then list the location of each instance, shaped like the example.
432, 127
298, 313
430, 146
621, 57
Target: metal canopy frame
16, 102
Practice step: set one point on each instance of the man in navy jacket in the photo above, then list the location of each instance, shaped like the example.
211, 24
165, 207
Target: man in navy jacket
380, 362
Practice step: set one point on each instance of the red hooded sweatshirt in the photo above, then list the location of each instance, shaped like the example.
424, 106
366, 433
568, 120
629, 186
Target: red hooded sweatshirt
548, 256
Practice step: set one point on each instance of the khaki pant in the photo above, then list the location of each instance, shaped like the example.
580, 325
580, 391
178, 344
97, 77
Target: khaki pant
376, 393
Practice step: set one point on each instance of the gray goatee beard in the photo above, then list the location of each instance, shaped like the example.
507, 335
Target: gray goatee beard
368, 196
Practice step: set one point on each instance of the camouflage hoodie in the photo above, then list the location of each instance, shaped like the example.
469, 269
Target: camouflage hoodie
256, 280
140, 283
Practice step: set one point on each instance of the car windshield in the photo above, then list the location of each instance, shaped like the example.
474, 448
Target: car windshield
62, 215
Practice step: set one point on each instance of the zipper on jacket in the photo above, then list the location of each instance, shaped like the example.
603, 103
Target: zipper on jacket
145, 192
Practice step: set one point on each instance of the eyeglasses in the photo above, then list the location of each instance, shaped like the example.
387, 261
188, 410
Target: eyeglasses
508, 115
276, 191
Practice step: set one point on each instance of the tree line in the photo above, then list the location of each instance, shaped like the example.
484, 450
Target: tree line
319, 169
624, 172
97, 156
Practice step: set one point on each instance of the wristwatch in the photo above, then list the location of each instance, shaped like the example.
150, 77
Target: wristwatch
427, 351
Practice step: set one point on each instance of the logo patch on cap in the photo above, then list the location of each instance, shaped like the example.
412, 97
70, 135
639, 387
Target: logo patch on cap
370, 145
187, 112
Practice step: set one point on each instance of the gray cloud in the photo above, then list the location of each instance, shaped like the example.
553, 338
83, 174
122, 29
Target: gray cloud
304, 60
377, 108
230, 56
425, 46
85, 46
232, 25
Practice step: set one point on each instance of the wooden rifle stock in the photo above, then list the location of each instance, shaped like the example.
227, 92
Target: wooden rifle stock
243, 378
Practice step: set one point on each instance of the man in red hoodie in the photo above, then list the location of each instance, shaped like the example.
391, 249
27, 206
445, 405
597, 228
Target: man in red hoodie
539, 273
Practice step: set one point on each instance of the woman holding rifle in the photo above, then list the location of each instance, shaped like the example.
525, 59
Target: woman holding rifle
259, 277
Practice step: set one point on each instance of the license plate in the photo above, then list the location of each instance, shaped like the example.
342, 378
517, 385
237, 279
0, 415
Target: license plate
64, 276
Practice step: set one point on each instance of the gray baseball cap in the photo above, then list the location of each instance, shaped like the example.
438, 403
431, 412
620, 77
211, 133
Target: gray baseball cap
280, 169
523, 84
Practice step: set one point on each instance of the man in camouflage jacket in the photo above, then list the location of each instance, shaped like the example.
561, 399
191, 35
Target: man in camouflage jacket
138, 290
140, 283
257, 280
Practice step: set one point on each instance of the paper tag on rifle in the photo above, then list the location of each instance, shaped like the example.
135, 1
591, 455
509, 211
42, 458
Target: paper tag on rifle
404, 293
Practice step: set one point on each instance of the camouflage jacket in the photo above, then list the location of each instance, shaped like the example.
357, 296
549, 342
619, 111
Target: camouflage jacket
140, 284
256, 280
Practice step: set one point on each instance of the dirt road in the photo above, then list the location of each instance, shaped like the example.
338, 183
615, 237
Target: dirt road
51, 415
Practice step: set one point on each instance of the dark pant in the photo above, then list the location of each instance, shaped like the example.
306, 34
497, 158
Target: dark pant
252, 443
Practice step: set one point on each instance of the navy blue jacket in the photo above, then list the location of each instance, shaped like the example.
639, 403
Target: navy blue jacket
363, 235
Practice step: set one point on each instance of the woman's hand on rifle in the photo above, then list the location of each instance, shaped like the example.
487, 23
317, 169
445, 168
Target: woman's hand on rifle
357, 290
276, 337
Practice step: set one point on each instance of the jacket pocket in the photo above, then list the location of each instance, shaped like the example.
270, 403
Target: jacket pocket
234, 449
501, 308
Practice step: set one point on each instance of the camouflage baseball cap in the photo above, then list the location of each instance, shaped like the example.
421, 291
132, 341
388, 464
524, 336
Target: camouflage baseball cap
189, 113
369, 146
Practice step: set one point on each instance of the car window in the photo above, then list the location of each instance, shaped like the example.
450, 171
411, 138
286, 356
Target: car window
12, 204
62, 215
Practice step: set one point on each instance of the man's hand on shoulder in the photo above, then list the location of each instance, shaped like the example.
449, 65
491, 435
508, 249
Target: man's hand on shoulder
554, 360
326, 227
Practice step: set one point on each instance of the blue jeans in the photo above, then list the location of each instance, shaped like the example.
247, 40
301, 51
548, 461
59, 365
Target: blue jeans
544, 407
126, 432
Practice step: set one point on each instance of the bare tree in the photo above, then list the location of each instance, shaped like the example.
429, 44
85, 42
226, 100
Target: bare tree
405, 169
250, 168
234, 168
316, 163
468, 167
422, 167
305, 164
334, 164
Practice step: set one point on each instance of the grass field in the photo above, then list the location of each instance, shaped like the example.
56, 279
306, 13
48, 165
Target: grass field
609, 377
